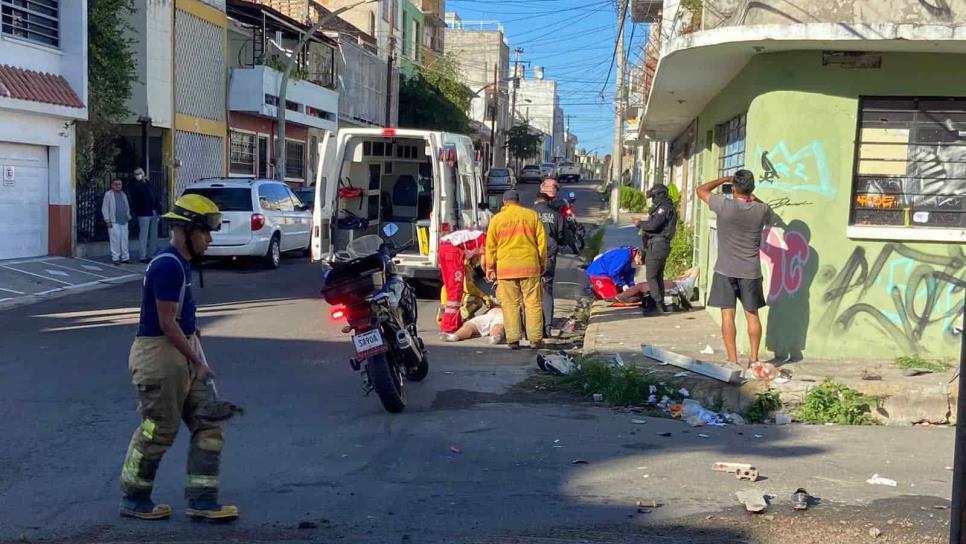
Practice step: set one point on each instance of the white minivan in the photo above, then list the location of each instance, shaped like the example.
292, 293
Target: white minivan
427, 183
260, 218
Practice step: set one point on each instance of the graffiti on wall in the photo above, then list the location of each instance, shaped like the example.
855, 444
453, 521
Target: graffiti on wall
785, 254
803, 170
907, 293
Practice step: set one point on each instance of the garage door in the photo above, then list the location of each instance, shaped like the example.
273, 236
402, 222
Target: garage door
23, 200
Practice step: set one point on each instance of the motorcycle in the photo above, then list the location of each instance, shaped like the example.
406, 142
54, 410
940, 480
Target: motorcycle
575, 231
380, 310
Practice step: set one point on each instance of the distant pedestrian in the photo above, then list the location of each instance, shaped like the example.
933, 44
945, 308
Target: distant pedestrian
144, 204
554, 227
737, 272
516, 257
657, 231
117, 214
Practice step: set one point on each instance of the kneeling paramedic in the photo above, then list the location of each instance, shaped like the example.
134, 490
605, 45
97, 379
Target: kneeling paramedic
169, 370
613, 271
460, 298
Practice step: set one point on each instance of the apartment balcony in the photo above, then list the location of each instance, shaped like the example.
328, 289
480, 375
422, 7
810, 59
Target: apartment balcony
255, 90
703, 53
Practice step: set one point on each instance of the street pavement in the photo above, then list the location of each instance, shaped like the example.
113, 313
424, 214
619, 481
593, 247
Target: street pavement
479, 455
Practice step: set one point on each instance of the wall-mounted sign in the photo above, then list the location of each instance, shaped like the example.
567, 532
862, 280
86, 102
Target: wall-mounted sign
9, 176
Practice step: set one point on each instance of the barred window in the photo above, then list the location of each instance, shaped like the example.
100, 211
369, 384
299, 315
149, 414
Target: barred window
730, 137
294, 159
33, 20
242, 156
911, 163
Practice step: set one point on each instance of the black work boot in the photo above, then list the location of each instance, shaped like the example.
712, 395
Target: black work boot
143, 509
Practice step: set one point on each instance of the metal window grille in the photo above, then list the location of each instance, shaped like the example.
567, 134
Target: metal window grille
910, 167
294, 159
200, 78
730, 137
201, 156
242, 154
33, 20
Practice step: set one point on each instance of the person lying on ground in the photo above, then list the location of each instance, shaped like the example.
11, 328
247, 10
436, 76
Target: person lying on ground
488, 324
680, 287
613, 271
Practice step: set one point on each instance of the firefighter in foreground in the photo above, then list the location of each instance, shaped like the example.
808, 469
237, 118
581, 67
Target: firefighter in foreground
169, 370
516, 257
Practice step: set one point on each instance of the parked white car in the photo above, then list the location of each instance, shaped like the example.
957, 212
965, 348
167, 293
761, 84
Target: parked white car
260, 218
568, 172
548, 170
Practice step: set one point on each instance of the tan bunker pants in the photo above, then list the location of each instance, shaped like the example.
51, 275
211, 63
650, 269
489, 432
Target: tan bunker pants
168, 394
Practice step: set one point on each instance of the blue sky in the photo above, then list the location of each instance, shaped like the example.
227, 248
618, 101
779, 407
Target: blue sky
574, 41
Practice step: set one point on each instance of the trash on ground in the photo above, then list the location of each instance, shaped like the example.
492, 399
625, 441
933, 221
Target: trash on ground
449, 373
783, 419
455, 449
598, 397
708, 350
696, 415
647, 503
759, 436
916, 371
579, 462
557, 363
557, 441
684, 392
879, 480
652, 389
681, 375
763, 371
638, 421
727, 375
742, 471
664, 434
781, 379
800, 499
702, 435
753, 500
735, 418
874, 532
570, 325
618, 361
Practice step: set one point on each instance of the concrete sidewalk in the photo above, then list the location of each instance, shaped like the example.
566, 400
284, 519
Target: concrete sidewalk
26, 281
906, 400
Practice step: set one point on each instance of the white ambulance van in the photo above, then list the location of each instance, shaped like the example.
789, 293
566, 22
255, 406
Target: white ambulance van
427, 183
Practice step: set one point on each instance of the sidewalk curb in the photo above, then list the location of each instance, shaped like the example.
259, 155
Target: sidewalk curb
62, 292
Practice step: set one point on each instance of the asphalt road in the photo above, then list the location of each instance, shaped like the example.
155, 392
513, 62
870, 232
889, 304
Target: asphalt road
478, 455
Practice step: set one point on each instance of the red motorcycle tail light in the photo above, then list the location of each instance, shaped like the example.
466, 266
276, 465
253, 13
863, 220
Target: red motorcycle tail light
338, 312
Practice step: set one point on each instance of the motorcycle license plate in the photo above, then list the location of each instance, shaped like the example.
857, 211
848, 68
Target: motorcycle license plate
369, 343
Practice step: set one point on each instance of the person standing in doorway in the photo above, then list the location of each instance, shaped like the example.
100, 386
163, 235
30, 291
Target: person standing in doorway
737, 272
553, 225
657, 231
144, 204
516, 256
117, 214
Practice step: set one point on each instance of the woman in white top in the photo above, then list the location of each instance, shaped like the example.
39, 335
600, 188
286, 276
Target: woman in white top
488, 324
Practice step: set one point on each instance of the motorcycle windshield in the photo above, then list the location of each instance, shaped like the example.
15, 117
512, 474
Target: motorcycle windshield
364, 246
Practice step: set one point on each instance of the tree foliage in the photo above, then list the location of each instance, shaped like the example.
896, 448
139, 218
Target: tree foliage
433, 98
111, 72
524, 142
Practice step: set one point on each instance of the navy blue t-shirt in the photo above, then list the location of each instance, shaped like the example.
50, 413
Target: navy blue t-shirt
163, 281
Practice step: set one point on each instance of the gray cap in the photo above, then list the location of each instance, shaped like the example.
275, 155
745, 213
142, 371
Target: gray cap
511, 195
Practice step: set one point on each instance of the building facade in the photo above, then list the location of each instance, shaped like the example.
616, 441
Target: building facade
434, 30
43, 92
538, 101
856, 133
483, 61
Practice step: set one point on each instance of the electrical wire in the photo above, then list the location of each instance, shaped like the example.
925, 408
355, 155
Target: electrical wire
620, 30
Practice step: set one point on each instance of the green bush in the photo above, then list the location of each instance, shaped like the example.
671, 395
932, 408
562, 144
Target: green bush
914, 361
633, 200
833, 402
621, 386
682, 251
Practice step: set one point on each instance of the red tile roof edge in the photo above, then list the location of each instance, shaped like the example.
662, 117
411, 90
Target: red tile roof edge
22, 84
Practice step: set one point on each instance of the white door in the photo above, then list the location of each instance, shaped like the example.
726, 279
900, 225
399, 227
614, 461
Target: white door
23, 200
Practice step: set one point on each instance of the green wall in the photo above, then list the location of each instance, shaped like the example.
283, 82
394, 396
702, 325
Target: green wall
832, 297
410, 13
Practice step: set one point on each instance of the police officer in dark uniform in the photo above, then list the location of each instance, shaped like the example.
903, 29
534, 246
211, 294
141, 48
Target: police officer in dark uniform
553, 224
657, 230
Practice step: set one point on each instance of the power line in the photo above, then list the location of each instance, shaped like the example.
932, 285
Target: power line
620, 30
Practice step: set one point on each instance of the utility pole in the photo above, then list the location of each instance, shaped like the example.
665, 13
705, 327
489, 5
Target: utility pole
283, 86
493, 107
513, 101
618, 160
389, 59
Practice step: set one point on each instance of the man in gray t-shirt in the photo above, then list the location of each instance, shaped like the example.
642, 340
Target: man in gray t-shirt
737, 272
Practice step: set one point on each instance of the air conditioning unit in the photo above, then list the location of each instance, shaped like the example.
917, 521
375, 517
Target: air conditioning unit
646, 11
